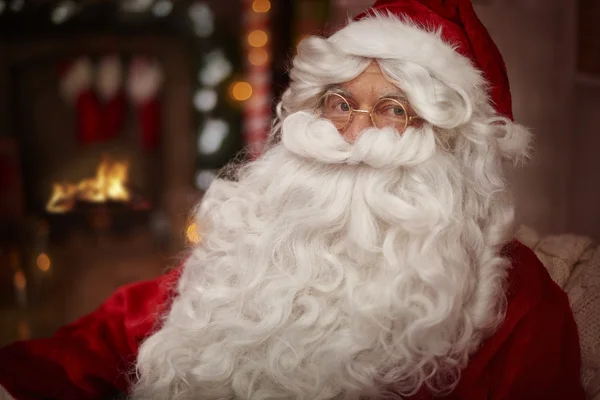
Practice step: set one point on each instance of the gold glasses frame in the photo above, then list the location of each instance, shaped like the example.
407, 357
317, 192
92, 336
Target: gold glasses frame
409, 118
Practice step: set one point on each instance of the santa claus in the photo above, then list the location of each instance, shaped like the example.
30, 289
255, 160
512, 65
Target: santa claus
368, 254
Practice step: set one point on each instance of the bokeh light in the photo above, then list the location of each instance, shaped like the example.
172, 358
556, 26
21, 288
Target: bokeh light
214, 133
258, 56
204, 179
19, 280
258, 38
63, 11
205, 100
261, 6
192, 233
162, 8
43, 262
217, 68
241, 91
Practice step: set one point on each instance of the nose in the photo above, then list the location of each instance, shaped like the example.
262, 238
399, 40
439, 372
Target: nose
356, 127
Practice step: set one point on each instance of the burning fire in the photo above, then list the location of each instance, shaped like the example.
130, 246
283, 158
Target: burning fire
110, 183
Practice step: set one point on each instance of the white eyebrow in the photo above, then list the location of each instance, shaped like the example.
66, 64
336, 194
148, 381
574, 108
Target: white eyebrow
396, 95
339, 90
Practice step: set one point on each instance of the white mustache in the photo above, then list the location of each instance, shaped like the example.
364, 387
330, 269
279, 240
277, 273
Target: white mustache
308, 136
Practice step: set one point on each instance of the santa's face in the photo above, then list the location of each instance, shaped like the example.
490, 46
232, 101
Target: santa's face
342, 263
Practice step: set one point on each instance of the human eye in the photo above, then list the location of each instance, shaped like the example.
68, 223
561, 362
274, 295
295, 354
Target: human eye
336, 104
343, 106
391, 108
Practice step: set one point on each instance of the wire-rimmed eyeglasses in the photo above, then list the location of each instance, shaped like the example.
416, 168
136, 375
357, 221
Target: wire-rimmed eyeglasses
387, 112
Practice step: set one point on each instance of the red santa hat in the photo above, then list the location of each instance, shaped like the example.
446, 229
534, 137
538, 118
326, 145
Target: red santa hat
445, 37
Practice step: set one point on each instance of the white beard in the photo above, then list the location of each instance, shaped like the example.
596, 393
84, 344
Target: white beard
330, 270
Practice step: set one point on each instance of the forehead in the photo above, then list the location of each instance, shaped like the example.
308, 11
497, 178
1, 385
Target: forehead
371, 83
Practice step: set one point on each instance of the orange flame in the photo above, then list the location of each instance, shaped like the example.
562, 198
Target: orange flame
110, 183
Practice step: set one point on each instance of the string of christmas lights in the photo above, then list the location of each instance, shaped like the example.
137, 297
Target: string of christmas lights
257, 90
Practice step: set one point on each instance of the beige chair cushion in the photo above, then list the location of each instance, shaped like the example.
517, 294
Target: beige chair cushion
573, 262
4, 394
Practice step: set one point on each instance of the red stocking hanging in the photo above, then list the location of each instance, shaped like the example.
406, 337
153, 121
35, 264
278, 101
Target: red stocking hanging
76, 87
149, 121
109, 84
143, 85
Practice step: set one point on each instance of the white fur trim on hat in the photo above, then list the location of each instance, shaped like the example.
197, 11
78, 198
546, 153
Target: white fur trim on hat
386, 36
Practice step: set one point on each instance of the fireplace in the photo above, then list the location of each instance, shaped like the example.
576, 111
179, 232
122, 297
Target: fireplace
105, 184
107, 202
108, 185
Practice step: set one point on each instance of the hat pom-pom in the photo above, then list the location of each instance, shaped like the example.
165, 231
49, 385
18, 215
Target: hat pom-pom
515, 141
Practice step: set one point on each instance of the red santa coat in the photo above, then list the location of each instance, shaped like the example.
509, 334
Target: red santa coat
533, 355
